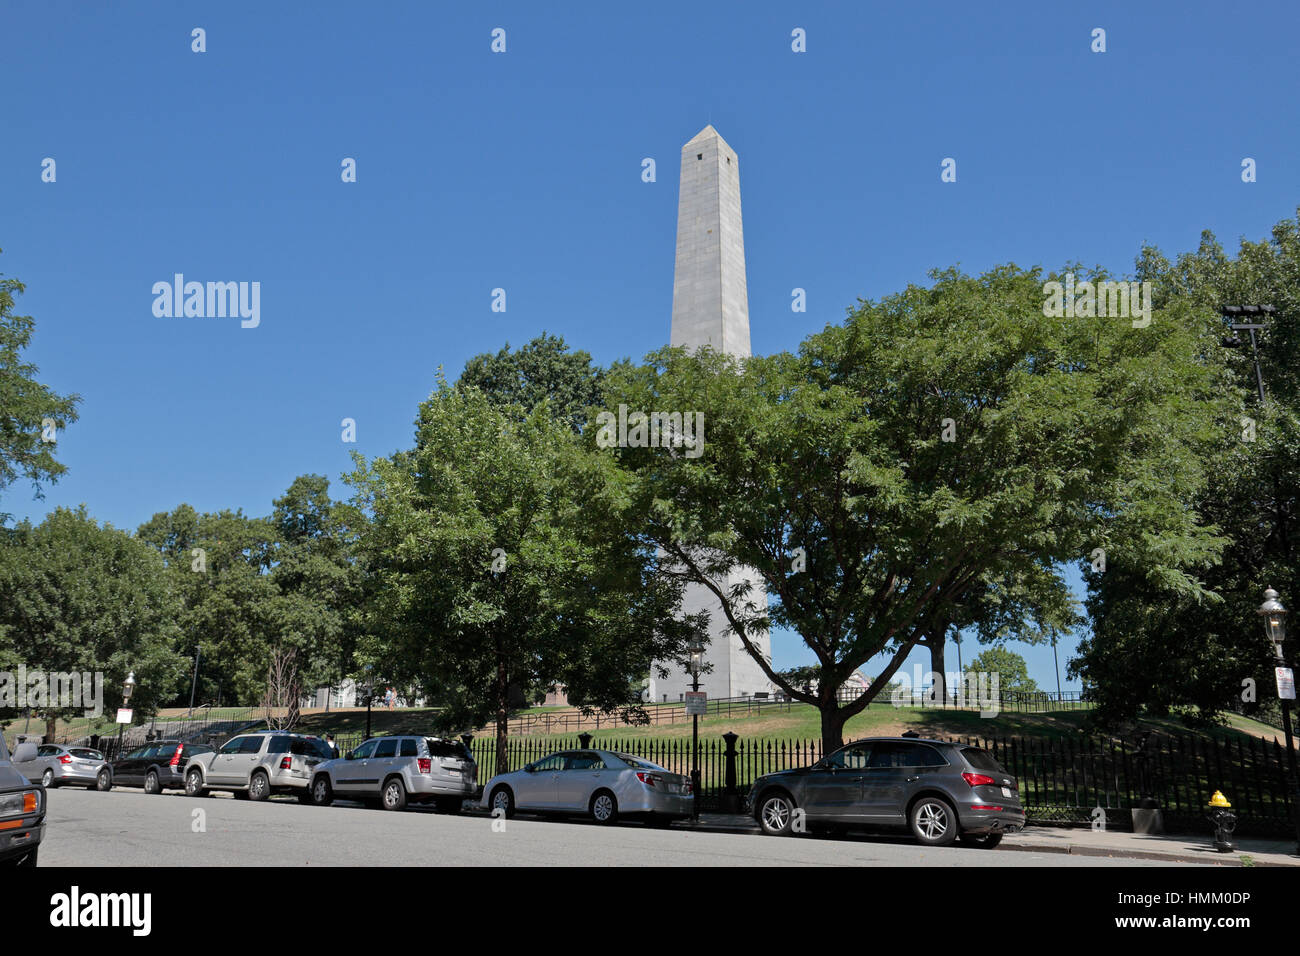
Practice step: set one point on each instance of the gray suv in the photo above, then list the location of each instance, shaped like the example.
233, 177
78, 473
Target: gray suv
941, 791
22, 809
396, 770
254, 766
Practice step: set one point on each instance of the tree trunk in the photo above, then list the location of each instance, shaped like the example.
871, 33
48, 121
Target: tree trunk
936, 643
503, 691
51, 726
832, 723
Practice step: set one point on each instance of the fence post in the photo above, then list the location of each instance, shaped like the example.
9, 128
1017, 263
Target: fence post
730, 795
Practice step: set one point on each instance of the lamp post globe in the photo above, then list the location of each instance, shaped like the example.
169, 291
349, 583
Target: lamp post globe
1274, 616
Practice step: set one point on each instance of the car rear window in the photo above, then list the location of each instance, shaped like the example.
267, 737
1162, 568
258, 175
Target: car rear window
637, 763
447, 748
86, 754
409, 749
310, 747
982, 760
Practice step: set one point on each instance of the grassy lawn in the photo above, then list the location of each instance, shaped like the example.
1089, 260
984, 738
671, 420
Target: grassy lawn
800, 722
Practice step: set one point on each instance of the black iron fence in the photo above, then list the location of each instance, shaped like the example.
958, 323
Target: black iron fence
1079, 780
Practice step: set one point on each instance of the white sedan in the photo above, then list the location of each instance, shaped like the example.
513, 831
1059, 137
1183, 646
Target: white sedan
600, 783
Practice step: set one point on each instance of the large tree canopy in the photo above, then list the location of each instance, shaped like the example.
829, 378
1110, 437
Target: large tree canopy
938, 456
76, 596
1154, 647
501, 557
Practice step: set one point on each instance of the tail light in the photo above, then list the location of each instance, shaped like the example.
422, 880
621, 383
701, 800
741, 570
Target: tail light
426, 765
65, 758
286, 762
978, 780
176, 757
649, 779
976, 806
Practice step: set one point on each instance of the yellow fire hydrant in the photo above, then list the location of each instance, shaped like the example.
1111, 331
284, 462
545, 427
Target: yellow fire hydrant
1224, 820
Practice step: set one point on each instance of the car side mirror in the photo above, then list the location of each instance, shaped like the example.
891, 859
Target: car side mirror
24, 752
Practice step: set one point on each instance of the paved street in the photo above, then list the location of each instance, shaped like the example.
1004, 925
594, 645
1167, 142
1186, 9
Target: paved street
128, 828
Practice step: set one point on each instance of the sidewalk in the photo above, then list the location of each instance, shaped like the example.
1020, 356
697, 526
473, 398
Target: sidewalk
1086, 842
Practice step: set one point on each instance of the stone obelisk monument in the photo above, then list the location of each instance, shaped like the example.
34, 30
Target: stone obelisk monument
711, 307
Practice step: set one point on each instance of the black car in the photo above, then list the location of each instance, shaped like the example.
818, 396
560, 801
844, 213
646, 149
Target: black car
941, 791
22, 810
157, 766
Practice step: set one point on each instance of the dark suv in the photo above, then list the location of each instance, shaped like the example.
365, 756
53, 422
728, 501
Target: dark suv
156, 766
939, 790
22, 809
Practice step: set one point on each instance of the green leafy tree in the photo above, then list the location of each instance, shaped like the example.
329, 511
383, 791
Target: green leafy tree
318, 584
29, 410
1154, 648
219, 565
500, 558
543, 371
77, 596
1013, 674
903, 466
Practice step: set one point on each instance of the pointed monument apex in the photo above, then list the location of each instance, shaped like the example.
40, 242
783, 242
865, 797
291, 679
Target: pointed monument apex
710, 295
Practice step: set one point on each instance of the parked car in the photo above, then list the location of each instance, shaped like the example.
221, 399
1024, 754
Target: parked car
398, 770
156, 766
941, 791
254, 766
22, 809
56, 764
601, 783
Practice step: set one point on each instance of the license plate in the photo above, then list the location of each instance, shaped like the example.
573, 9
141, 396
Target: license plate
1006, 791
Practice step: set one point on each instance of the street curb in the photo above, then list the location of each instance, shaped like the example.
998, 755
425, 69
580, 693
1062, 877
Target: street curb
1074, 849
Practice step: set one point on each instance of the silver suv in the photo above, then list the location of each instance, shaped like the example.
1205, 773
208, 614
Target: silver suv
397, 770
254, 766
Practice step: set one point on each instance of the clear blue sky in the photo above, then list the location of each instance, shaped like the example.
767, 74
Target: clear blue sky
522, 170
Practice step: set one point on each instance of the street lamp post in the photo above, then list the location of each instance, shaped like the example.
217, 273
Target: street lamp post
697, 663
128, 688
370, 693
1274, 615
1232, 342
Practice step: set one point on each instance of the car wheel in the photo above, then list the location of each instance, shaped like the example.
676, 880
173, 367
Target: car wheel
394, 796
104, 782
259, 788
985, 841
503, 802
47, 778
322, 794
604, 807
776, 814
194, 783
151, 782
449, 804
934, 822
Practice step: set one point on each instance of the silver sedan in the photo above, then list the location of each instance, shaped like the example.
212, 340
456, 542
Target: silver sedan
601, 783
55, 764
